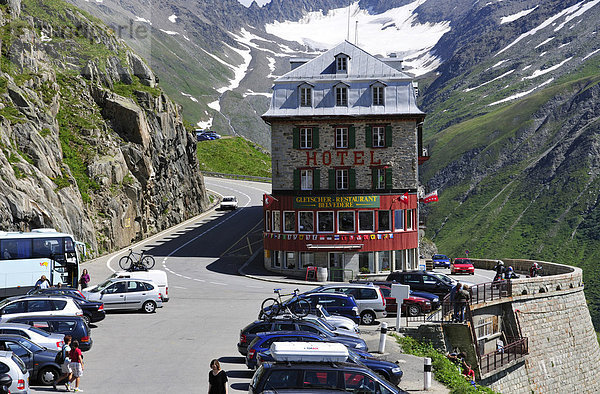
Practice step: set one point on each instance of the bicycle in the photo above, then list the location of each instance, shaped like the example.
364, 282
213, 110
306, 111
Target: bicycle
142, 263
272, 307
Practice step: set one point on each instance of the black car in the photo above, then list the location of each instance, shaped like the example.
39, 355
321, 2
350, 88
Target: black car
431, 282
74, 326
38, 360
93, 311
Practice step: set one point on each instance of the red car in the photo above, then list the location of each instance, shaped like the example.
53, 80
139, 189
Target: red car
462, 265
413, 306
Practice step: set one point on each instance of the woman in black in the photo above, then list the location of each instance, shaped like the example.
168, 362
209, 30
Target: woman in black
217, 379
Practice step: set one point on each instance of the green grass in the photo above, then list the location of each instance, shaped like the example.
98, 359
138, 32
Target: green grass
233, 156
444, 370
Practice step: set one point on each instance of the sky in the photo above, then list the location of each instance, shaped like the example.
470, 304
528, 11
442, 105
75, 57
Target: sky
259, 2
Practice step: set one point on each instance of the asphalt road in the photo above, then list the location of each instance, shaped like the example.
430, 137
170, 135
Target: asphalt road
170, 351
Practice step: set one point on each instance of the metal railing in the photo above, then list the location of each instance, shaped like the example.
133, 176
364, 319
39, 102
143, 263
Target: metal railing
237, 176
490, 291
515, 350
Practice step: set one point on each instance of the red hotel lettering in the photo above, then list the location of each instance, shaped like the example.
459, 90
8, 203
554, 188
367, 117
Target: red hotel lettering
313, 158
373, 159
358, 157
341, 155
326, 158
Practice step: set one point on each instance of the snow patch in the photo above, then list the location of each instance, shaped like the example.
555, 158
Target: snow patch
271, 67
171, 33
514, 17
138, 19
519, 95
205, 124
490, 81
563, 45
591, 54
579, 10
216, 105
194, 99
251, 93
537, 73
239, 72
544, 42
173, 18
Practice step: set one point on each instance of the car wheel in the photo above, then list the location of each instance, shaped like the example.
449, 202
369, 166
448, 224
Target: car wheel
48, 375
87, 320
367, 317
149, 307
413, 310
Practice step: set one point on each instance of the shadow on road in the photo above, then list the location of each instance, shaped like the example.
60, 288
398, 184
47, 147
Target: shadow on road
240, 386
245, 374
232, 360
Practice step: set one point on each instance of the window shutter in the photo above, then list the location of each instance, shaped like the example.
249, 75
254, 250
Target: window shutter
351, 137
315, 137
388, 136
374, 178
352, 178
296, 138
316, 179
369, 137
388, 178
296, 179
331, 179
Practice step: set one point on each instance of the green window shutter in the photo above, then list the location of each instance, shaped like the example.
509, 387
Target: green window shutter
352, 178
388, 136
388, 178
316, 179
315, 137
369, 137
296, 179
296, 138
351, 137
331, 179
374, 178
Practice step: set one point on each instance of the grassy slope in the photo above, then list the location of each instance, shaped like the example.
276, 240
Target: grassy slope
234, 155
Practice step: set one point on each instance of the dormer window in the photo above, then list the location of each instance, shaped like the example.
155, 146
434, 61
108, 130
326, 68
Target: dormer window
341, 63
378, 93
341, 95
306, 93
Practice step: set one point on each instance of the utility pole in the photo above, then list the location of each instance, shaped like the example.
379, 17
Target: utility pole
348, 33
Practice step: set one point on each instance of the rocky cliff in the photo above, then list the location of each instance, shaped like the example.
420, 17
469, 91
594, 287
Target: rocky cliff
89, 144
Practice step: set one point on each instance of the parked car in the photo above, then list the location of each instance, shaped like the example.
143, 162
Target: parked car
92, 311
40, 337
336, 320
124, 293
14, 367
159, 277
433, 299
38, 360
370, 300
462, 265
431, 282
440, 260
335, 304
39, 305
229, 202
248, 333
74, 326
321, 322
412, 306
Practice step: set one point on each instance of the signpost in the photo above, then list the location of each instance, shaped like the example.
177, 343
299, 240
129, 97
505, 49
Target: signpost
399, 292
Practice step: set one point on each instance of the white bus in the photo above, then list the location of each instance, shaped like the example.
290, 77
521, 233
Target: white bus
25, 257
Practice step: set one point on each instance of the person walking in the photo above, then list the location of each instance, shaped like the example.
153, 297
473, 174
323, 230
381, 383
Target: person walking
462, 298
85, 279
76, 364
42, 283
217, 379
64, 367
453, 301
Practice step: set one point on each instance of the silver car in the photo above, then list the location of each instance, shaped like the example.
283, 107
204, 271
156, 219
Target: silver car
126, 293
370, 301
35, 335
12, 365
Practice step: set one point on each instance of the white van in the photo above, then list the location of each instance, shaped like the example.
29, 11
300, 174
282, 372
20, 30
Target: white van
157, 276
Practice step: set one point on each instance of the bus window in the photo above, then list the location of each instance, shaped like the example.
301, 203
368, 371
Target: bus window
69, 246
15, 249
46, 247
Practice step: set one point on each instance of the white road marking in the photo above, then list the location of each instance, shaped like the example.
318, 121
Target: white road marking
218, 283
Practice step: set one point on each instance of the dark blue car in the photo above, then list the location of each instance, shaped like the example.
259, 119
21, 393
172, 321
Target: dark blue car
388, 370
440, 260
334, 303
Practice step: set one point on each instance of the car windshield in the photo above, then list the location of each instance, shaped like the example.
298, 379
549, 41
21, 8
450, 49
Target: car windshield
29, 345
326, 325
229, 199
439, 256
101, 286
4, 302
40, 332
443, 278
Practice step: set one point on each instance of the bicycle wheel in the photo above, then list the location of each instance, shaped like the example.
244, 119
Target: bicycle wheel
301, 308
270, 308
125, 263
148, 262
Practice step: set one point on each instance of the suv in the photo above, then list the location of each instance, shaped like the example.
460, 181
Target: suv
14, 367
74, 326
370, 300
92, 311
124, 293
432, 282
39, 305
318, 377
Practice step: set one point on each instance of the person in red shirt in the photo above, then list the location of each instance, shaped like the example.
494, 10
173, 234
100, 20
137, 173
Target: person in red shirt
76, 365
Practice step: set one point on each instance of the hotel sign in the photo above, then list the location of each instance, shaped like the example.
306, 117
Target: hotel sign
336, 202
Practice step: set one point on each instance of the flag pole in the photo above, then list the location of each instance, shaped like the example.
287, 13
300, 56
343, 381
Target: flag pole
348, 33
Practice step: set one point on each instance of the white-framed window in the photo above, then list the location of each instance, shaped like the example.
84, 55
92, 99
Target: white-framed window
325, 222
306, 221
290, 260
366, 262
306, 138
410, 219
267, 221
379, 178
341, 96
384, 222
277, 258
306, 259
341, 179
384, 260
306, 179
341, 64
341, 137
378, 137
276, 221
346, 221
378, 97
305, 96
289, 221
399, 220
366, 221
